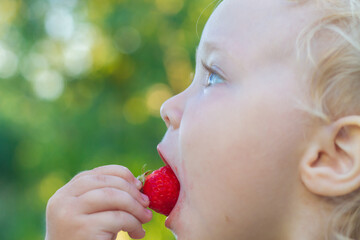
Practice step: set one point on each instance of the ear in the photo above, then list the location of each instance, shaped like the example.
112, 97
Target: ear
331, 164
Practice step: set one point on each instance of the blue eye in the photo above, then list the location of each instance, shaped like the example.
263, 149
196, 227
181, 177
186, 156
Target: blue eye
214, 78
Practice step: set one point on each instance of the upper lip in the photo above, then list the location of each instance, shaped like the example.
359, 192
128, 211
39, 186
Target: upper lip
161, 155
167, 155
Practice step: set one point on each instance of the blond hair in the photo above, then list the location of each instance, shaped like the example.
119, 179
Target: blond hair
335, 89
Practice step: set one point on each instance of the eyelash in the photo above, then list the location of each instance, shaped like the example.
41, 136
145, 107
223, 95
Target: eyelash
210, 72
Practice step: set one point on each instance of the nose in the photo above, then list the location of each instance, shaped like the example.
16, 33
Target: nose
171, 111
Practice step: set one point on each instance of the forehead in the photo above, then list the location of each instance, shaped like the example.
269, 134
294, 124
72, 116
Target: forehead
258, 28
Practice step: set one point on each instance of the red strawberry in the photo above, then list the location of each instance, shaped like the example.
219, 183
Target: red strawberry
162, 187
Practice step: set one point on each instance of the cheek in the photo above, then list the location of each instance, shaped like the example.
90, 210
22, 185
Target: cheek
244, 157
251, 134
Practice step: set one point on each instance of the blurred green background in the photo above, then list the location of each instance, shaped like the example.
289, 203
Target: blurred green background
81, 84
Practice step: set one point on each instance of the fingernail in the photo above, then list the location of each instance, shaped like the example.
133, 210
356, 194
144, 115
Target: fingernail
148, 212
138, 183
145, 198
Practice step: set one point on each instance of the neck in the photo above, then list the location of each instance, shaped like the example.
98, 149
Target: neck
308, 218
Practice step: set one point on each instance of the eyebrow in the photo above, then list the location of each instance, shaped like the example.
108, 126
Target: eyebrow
208, 46
211, 46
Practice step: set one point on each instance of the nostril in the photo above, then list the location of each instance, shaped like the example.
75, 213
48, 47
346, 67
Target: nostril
164, 113
167, 121
165, 117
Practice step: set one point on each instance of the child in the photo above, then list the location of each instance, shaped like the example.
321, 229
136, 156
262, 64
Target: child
265, 142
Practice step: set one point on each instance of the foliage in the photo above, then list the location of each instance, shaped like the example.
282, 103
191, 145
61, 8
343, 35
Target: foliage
81, 84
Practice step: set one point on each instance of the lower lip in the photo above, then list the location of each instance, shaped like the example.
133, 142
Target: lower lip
168, 221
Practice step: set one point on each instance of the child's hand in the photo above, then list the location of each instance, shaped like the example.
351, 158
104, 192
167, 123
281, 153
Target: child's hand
97, 204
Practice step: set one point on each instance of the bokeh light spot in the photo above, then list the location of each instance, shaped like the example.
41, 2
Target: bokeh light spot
127, 40
32, 64
70, 4
59, 24
77, 59
135, 111
170, 6
77, 53
156, 96
179, 73
48, 186
51, 50
103, 51
178, 68
48, 85
99, 9
8, 62
8, 10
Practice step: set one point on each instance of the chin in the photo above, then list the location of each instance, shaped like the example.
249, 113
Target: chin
174, 221
173, 218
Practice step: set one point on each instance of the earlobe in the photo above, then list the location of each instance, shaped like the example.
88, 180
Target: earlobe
331, 163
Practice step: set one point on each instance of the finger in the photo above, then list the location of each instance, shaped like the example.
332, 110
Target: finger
114, 170
137, 234
112, 199
91, 182
116, 221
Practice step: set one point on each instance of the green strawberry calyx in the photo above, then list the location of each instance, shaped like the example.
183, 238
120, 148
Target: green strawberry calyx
143, 176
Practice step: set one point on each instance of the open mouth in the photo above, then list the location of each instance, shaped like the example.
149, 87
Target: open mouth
176, 207
162, 187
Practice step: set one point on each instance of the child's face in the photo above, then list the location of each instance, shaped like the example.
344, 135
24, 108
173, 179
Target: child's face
235, 144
